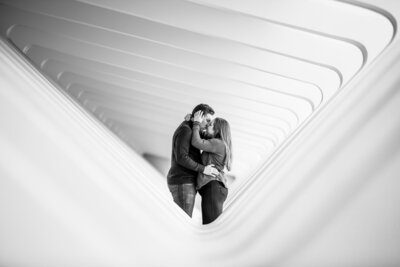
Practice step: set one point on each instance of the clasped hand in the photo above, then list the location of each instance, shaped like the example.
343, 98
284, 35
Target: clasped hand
211, 170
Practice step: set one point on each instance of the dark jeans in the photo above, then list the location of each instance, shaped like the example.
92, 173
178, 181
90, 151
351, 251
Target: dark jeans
213, 196
184, 196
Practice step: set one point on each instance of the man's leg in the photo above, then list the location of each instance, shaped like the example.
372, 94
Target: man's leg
184, 196
213, 196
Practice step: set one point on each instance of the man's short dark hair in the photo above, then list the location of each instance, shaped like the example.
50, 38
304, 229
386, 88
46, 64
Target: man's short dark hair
203, 107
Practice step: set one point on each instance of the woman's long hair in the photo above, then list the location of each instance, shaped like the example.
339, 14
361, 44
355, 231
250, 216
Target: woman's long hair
223, 130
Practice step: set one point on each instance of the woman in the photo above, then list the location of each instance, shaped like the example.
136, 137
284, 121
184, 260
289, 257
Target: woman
217, 151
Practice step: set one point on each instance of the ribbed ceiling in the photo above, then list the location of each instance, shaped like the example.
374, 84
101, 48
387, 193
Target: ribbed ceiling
140, 66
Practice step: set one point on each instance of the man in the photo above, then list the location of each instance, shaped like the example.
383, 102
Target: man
186, 162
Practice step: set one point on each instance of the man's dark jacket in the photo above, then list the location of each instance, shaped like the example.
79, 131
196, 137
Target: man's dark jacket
185, 158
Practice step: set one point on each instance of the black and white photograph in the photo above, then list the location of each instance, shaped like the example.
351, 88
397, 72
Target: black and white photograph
199, 133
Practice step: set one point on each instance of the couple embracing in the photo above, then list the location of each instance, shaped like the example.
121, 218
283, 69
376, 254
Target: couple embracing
201, 151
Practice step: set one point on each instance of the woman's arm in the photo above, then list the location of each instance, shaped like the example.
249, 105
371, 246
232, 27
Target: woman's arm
181, 149
205, 145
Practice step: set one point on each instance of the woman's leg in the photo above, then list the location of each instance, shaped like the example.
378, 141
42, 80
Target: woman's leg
213, 196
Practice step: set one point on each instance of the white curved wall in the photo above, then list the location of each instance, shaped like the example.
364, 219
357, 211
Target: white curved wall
264, 66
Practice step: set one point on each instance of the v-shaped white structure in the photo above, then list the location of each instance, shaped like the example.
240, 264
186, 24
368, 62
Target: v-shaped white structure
91, 92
